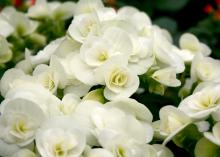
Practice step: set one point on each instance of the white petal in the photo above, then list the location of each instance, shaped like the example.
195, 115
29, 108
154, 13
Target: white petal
189, 41
6, 28
64, 11
166, 76
44, 55
132, 107
82, 71
8, 78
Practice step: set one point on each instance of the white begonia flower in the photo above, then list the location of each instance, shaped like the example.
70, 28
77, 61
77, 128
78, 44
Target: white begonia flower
20, 120
214, 136
202, 126
127, 11
87, 6
54, 10
80, 89
106, 14
164, 54
37, 94
57, 138
98, 152
82, 71
69, 104
8, 149
47, 77
132, 107
24, 153
96, 50
172, 121
118, 39
84, 25
205, 68
67, 46
120, 145
163, 151
119, 115
141, 58
216, 115
43, 56
83, 114
166, 76
5, 51
139, 20
120, 81
67, 79
115, 120
19, 21
94, 53
8, 78
5, 27
202, 103
190, 46
25, 66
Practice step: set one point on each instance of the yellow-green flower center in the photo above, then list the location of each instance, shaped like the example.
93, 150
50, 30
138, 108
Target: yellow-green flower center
58, 150
20, 127
103, 56
120, 152
118, 78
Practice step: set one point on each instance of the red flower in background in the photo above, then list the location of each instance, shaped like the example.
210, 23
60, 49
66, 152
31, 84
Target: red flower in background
217, 15
217, 2
208, 9
17, 3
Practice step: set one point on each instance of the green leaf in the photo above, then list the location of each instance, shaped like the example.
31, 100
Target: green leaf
170, 5
96, 95
167, 23
205, 148
188, 138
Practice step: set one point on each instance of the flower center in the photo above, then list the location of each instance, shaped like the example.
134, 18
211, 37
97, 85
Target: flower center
103, 56
48, 82
118, 78
58, 150
120, 152
206, 103
20, 127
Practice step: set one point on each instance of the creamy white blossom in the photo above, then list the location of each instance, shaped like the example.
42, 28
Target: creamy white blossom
87, 6
120, 81
5, 51
54, 10
20, 120
24, 153
69, 104
172, 121
98, 152
201, 104
57, 138
37, 94
190, 46
205, 68
18, 21
43, 56
47, 77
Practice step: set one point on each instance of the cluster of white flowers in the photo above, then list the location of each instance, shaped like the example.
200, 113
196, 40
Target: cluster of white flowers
72, 99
